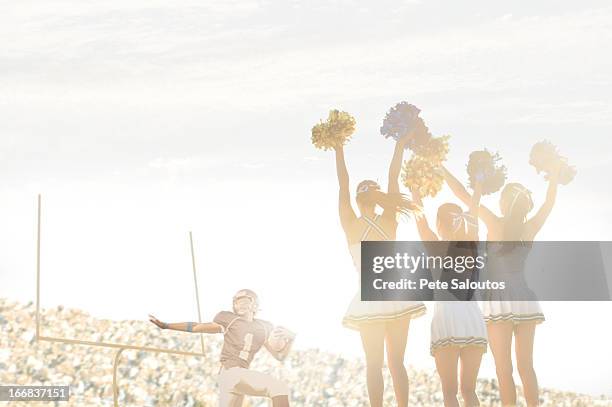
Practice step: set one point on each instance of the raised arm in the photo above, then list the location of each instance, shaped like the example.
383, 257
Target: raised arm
425, 232
456, 186
347, 214
533, 226
394, 172
205, 327
489, 218
472, 221
396, 165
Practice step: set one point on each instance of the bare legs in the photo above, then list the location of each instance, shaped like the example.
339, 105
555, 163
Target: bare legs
500, 339
397, 336
446, 364
524, 335
470, 356
373, 341
373, 338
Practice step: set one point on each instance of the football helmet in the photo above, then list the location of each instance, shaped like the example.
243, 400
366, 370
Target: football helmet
246, 293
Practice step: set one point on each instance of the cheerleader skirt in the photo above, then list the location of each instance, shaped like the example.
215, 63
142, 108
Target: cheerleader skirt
360, 312
457, 323
516, 312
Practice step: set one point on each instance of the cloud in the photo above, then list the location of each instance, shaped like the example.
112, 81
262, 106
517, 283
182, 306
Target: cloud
312, 159
252, 165
223, 164
139, 71
173, 164
214, 55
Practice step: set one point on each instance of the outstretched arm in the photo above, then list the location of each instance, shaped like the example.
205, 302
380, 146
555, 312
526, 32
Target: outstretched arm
347, 214
533, 226
205, 327
489, 218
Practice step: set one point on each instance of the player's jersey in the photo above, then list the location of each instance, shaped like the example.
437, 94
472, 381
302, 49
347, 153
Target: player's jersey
242, 338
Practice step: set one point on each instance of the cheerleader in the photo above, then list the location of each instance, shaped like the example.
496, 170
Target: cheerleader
505, 318
378, 322
458, 332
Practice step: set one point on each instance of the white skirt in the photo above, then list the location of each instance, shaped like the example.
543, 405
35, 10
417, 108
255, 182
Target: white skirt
367, 312
515, 311
457, 323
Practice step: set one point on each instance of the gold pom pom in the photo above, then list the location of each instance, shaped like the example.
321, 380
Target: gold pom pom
335, 131
545, 157
423, 175
435, 149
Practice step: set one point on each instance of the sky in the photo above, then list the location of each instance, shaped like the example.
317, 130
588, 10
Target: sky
139, 121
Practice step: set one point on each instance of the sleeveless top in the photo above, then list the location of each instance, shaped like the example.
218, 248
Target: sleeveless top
355, 248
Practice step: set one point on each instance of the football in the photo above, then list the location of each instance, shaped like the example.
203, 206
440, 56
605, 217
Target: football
278, 339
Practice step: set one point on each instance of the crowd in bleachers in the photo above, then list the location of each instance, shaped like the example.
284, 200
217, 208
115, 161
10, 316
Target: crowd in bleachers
316, 378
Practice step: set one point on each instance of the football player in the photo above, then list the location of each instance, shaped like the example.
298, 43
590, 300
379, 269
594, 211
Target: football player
243, 336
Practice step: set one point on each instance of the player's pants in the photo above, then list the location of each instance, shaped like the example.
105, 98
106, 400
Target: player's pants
236, 382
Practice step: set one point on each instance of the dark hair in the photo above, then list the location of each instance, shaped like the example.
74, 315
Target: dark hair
396, 202
519, 204
515, 215
369, 183
448, 216
461, 249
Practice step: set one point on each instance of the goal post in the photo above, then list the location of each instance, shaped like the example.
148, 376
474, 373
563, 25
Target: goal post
119, 346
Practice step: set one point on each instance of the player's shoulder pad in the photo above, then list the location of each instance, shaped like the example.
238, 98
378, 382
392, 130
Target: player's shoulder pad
223, 318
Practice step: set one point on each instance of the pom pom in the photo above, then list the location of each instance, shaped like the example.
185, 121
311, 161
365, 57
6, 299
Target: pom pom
435, 149
566, 173
545, 157
334, 132
422, 175
403, 119
483, 167
423, 172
